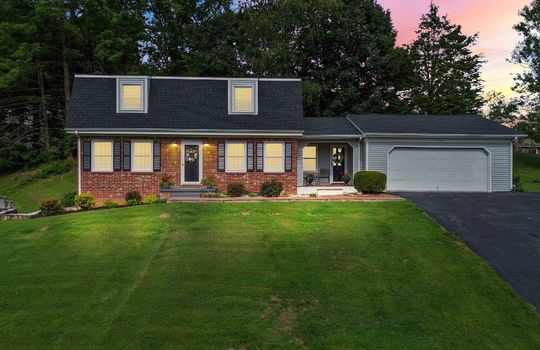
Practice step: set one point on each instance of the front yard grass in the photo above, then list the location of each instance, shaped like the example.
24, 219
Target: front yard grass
332, 275
527, 166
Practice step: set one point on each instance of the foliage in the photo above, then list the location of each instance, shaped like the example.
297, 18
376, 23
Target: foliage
346, 177
309, 178
528, 168
150, 199
529, 120
252, 194
68, 199
85, 201
166, 182
109, 204
446, 74
271, 188
236, 189
132, 202
499, 109
517, 185
370, 182
213, 195
209, 182
56, 167
50, 207
135, 195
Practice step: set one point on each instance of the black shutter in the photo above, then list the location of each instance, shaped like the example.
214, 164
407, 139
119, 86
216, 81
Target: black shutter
221, 156
250, 157
87, 156
127, 156
260, 157
157, 155
288, 157
117, 157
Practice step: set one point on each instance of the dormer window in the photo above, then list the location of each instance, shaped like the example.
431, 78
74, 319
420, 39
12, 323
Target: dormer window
132, 95
243, 96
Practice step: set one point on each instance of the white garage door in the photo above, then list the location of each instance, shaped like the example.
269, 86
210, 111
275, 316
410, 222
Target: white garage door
438, 169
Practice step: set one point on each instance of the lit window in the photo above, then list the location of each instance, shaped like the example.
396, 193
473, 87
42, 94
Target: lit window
273, 157
102, 156
142, 156
131, 96
235, 157
310, 158
243, 97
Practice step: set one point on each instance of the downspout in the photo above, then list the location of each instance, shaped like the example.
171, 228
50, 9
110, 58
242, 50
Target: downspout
362, 136
78, 162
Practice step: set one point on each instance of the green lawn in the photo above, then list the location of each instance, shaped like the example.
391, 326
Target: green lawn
527, 166
27, 197
316, 275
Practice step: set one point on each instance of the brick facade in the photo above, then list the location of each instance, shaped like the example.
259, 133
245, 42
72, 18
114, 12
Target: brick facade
114, 185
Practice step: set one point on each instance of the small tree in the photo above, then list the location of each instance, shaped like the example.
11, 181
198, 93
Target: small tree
499, 109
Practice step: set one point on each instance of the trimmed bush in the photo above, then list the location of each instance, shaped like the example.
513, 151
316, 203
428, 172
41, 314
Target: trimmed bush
136, 195
166, 182
50, 207
132, 202
271, 189
109, 204
68, 199
369, 181
150, 199
235, 189
85, 201
55, 167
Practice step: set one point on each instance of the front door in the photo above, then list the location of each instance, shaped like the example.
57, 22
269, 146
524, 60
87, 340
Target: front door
338, 163
191, 161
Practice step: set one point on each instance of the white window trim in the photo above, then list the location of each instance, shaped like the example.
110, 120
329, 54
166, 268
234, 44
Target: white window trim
143, 82
316, 159
283, 157
93, 154
133, 142
253, 83
244, 170
201, 163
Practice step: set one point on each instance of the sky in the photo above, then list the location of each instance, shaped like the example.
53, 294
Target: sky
492, 19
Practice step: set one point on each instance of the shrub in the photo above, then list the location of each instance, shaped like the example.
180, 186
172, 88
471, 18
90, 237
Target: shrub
166, 182
50, 207
150, 199
213, 195
309, 178
132, 202
517, 184
236, 189
209, 182
313, 195
271, 188
369, 181
85, 201
109, 204
68, 199
136, 195
252, 194
55, 167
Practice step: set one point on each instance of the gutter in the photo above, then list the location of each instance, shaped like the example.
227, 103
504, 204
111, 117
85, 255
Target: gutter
187, 132
78, 162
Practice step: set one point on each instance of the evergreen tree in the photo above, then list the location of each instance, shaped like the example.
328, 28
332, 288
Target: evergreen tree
446, 73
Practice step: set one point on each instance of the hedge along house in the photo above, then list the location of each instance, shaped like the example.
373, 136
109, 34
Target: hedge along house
134, 130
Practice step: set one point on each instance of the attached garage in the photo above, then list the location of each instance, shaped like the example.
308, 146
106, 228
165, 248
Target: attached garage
438, 169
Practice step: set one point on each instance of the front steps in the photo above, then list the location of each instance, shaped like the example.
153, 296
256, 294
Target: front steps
332, 190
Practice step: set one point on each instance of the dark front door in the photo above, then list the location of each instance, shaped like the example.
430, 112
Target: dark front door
191, 163
338, 163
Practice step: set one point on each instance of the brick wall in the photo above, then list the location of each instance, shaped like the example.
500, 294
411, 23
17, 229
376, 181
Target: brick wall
114, 185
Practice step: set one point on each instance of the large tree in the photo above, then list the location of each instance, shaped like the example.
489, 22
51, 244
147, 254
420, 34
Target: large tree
500, 109
446, 73
342, 49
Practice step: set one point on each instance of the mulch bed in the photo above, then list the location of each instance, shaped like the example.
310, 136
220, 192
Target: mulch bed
337, 198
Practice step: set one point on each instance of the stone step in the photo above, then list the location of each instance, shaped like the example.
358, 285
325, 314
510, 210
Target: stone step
189, 190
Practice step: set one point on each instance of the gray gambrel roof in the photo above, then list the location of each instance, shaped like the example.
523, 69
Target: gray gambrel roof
176, 103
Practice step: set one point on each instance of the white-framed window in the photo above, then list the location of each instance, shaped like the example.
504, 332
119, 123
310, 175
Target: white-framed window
243, 96
102, 156
132, 95
235, 157
142, 155
310, 158
274, 157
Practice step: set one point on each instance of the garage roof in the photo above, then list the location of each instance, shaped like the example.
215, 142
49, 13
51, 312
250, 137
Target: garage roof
329, 126
384, 124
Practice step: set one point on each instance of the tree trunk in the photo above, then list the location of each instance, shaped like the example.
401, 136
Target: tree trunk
67, 77
43, 109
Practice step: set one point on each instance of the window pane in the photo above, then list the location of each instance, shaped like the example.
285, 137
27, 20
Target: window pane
310, 152
310, 164
131, 96
102, 156
142, 156
273, 157
243, 99
236, 157
310, 158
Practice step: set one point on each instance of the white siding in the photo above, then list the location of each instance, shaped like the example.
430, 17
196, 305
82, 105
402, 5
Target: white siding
501, 178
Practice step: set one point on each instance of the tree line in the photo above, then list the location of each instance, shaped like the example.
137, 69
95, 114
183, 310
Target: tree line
344, 50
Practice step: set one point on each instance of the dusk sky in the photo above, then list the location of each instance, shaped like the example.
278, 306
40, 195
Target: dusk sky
492, 19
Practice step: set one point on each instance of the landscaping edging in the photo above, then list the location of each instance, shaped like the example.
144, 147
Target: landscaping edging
337, 198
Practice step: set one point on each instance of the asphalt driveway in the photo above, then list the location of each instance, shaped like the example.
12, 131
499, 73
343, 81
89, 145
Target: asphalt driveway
503, 228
